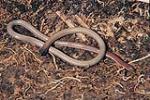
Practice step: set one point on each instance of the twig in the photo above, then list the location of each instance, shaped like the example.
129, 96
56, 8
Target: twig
139, 59
6, 60
138, 82
117, 90
46, 75
101, 2
13, 56
82, 77
33, 54
54, 61
42, 24
143, 91
62, 79
81, 22
19, 98
139, 78
29, 2
117, 83
82, 97
12, 50
24, 57
25, 92
52, 88
123, 77
118, 71
69, 78
146, 1
2, 45
64, 19
70, 24
59, 82
126, 78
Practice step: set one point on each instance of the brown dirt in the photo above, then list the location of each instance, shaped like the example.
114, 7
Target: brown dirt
26, 75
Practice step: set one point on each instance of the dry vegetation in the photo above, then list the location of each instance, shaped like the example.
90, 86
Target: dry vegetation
124, 26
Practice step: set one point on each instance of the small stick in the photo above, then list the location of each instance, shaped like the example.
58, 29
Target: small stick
146, 1
64, 18
60, 81
29, 2
142, 58
70, 24
26, 90
11, 50
54, 87
7, 59
54, 60
101, 2
64, 78
143, 91
73, 78
81, 22
42, 24
32, 54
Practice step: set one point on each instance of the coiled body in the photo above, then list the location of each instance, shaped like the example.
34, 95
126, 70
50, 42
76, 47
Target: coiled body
40, 42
